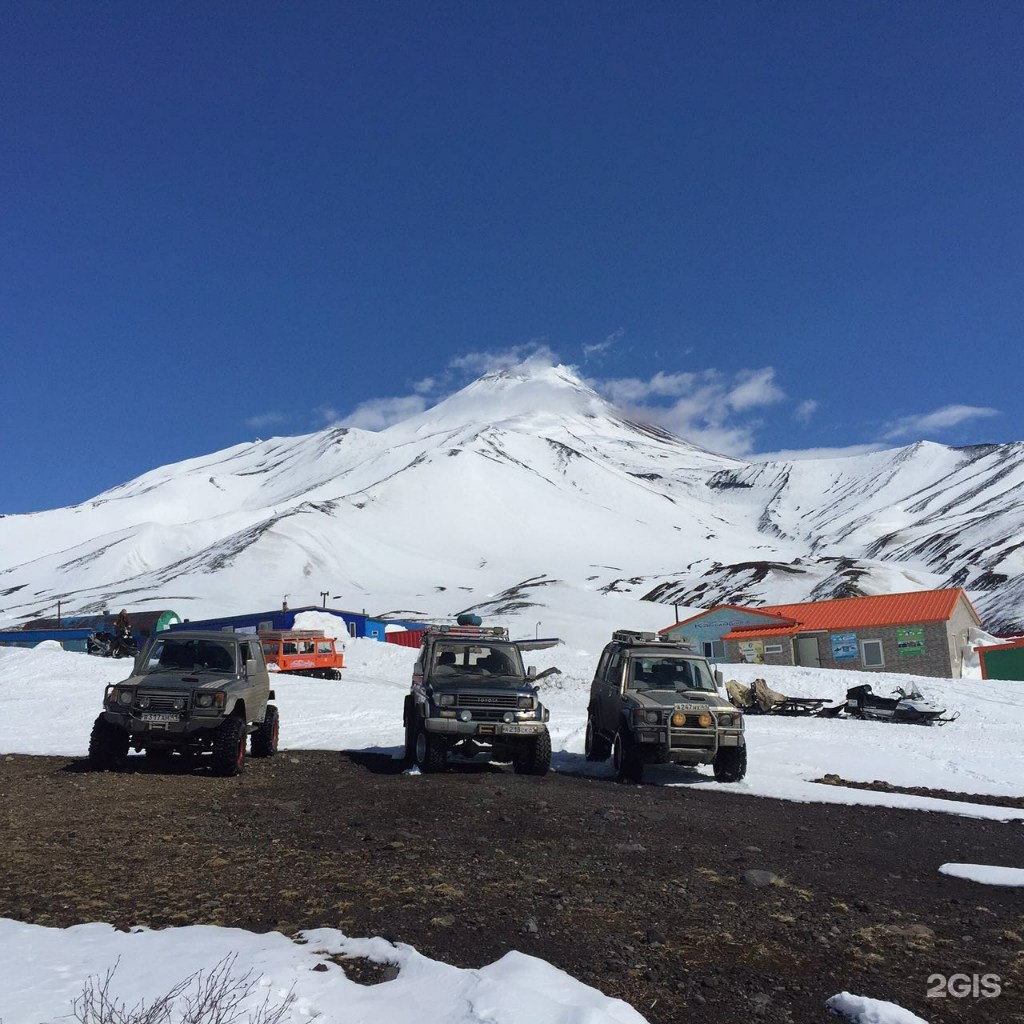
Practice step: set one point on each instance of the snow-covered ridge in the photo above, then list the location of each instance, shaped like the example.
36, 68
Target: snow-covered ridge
525, 473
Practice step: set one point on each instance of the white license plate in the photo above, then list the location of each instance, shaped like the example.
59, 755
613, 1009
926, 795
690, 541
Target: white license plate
690, 709
517, 730
158, 716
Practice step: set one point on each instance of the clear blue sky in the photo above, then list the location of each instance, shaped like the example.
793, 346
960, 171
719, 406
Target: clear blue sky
771, 226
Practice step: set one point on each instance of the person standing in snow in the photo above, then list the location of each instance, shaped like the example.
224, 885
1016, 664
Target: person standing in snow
123, 626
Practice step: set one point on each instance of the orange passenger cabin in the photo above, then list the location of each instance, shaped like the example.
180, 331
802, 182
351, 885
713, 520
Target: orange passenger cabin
304, 652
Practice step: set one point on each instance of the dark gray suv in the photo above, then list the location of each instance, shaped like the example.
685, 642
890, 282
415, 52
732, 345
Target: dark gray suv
190, 692
655, 701
470, 694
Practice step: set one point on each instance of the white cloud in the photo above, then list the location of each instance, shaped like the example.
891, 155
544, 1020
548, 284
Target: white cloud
709, 406
380, 413
804, 454
602, 346
941, 419
805, 410
479, 363
267, 419
755, 388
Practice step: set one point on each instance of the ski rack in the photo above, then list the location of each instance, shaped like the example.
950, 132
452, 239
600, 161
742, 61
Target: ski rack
634, 637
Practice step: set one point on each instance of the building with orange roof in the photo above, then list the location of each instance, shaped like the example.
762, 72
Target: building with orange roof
923, 633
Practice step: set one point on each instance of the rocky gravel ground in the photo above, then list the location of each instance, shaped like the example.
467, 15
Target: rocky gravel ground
691, 905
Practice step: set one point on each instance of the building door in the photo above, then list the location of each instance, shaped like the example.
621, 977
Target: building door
807, 651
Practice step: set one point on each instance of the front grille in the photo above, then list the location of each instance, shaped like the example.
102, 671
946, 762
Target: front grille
487, 715
505, 701
165, 701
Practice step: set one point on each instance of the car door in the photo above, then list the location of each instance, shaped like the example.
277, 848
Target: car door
256, 673
611, 693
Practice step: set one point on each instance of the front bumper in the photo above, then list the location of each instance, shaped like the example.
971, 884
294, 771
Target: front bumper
485, 730
685, 746
183, 726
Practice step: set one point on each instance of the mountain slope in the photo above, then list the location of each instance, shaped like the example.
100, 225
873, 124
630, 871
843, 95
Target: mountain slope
525, 475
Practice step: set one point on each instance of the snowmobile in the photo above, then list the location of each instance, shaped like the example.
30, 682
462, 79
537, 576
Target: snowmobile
107, 645
908, 706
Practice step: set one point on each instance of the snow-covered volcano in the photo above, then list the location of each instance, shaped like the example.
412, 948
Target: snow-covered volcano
522, 491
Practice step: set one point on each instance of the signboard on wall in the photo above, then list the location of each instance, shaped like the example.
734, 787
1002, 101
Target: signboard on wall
844, 646
910, 641
752, 651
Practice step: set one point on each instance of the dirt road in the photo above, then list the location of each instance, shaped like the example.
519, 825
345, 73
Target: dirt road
691, 905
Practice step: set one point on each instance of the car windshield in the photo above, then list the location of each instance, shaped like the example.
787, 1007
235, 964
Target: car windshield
452, 660
663, 673
173, 655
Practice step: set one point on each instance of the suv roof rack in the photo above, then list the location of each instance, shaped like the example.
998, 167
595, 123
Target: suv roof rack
467, 632
633, 636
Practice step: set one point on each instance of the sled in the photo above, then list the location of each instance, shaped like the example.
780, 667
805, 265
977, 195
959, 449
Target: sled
760, 699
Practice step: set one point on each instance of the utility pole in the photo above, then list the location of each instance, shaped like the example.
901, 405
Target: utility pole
324, 594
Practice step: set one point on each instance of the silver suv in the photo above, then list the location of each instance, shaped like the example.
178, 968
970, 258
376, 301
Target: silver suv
190, 692
655, 701
470, 694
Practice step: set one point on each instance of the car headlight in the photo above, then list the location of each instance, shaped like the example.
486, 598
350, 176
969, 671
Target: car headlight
204, 700
678, 719
705, 720
727, 719
446, 700
648, 717
526, 702
124, 697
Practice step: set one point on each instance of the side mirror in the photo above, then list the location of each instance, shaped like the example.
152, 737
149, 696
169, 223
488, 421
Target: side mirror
719, 678
531, 671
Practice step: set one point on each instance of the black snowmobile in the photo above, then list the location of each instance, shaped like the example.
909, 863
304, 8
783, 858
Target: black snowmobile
908, 706
107, 645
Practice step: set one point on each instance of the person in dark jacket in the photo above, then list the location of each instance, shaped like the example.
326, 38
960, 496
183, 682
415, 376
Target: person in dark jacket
123, 626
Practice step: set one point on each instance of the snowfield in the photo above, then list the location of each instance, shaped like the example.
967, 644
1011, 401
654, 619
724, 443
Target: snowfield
45, 969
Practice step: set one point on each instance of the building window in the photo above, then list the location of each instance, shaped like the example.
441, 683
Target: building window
714, 649
871, 653
352, 629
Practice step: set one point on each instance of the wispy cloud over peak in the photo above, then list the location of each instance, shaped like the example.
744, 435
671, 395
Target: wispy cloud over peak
946, 418
381, 413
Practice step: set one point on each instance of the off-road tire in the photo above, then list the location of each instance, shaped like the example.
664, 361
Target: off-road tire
595, 746
264, 739
428, 751
228, 757
409, 722
108, 746
534, 757
626, 758
730, 764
